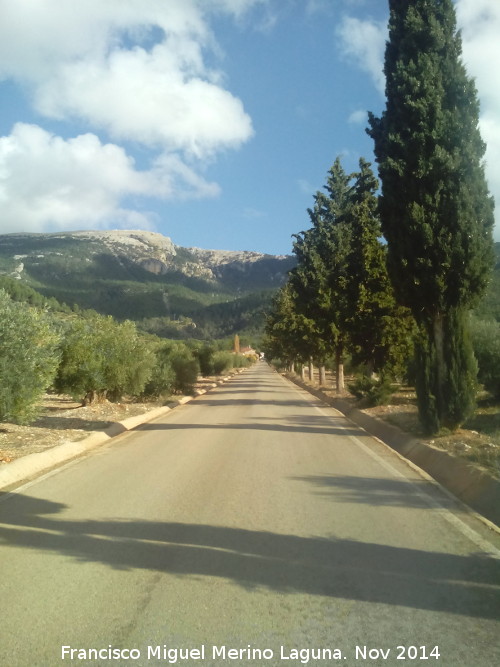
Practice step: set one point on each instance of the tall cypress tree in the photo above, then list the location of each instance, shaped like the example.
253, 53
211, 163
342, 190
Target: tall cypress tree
437, 215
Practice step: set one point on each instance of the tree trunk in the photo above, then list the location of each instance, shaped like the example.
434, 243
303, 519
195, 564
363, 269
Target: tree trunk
440, 362
311, 371
94, 396
322, 376
302, 372
339, 362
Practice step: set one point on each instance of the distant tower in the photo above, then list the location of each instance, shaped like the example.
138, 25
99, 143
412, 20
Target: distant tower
236, 348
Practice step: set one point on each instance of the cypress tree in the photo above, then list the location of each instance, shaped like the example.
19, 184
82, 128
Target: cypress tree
437, 215
310, 298
321, 276
380, 331
287, 334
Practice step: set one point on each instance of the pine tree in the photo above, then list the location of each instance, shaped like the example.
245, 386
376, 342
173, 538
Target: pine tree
321, 276
288, 336
380, 332
437, 215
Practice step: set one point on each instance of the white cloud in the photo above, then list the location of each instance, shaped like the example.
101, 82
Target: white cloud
36, 37
235, 7
93, 62
490, 131
363, 41
149, 98
47, 182
358, 117
317, 6
139, 71
479, 21
305, 186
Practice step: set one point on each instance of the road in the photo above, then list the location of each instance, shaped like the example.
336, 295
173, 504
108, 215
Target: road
255, 526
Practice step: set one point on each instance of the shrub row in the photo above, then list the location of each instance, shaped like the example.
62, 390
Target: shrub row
92, 357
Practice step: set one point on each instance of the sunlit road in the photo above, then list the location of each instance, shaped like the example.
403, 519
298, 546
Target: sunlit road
253, 518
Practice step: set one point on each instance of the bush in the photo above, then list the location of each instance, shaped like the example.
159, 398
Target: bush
205, 357
486, 344
242, 361
28, 359
222, 361
186, 368
376, 392
162, 379
103, 358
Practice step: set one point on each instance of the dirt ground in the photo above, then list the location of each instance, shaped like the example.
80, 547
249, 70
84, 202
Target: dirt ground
64, 420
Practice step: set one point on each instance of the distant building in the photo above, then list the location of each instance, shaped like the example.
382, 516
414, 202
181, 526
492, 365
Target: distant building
248, 351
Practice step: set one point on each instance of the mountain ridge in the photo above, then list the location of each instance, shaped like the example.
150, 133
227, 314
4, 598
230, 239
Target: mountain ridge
137, 274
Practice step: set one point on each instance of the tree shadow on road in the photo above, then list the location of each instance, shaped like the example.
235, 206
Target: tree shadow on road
223, 402
377, 491
287, 563
299, 425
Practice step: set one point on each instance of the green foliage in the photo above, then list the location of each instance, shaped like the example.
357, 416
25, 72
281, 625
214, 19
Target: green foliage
222, 362
489, 306
379, 332
320, 279
205, 356
162, 379
375, 391
486, 344
24, 294
164, 327
339, 297
216, 362
81, 270
288, 334
244, 315
446, 373
28, 359
437, 215
185, 366
241, 361
102, 358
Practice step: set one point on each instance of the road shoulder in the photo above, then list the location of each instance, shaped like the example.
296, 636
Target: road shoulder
467, 482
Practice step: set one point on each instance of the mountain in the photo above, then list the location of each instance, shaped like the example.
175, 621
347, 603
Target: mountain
169, 290
145, 277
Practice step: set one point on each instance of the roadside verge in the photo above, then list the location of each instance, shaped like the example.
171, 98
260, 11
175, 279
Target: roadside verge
32, 465
469, 483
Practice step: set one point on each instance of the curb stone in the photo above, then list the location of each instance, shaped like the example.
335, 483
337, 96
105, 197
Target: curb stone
472, 485
31, 465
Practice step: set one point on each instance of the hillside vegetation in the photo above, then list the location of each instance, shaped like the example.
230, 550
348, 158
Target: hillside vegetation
142, 276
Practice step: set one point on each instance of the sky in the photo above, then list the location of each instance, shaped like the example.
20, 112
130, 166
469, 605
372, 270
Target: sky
213, 122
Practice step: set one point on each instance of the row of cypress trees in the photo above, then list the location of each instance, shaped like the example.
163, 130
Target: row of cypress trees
339, 297
436, 216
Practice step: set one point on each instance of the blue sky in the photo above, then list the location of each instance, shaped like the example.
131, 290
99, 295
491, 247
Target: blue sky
210, 121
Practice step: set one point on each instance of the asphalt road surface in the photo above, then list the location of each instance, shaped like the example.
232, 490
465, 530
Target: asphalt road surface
253, 526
